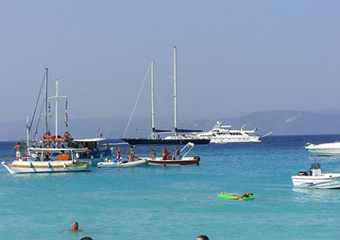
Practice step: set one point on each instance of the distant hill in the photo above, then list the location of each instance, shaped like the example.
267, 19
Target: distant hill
285, 122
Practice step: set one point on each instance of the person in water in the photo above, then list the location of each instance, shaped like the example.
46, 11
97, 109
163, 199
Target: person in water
75, 227
246, 195
202, 237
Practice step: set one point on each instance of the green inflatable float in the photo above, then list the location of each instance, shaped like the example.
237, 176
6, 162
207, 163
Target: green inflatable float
236, 196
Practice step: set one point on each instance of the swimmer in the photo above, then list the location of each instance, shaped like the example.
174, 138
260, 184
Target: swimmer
75, 227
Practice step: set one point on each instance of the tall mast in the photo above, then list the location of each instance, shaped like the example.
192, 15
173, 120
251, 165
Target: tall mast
153, 133
57, 105
175, 91
27, 133
46, 98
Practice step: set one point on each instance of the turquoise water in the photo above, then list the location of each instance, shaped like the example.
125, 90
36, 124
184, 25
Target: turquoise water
177, 202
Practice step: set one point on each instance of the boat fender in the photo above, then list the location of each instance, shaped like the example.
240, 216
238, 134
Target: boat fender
64, 166
31, 165
49, 165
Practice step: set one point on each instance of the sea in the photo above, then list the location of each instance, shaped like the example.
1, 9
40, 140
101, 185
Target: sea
169, 203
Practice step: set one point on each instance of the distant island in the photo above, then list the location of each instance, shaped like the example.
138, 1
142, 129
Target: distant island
282, 122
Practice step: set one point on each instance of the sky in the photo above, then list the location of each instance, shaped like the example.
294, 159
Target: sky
233, 57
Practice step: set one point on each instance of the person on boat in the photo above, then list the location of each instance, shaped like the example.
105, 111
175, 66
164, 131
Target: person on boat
118, 151
17, 148
246, 195
37, 158
177, 154
164, 154
47, 157
62, 156
131, 157
75, 227
202, 237
106, 146
153, 153
169, 155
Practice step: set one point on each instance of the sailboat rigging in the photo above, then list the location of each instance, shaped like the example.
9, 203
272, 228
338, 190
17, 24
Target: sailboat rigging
176, 138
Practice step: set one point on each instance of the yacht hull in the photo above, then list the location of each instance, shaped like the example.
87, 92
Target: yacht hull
162, 141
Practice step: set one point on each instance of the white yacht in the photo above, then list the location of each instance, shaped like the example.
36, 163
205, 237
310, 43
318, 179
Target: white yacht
324, 149
221, 134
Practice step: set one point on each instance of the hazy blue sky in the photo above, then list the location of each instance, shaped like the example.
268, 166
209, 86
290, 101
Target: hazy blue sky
234, 57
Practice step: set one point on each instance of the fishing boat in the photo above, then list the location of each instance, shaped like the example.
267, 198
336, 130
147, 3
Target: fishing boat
122, 164
67, 162
93, 153
182, 160
324, 149
221, 134
315, 178
179, 136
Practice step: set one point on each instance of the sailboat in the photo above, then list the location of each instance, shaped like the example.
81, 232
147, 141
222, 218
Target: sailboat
43, 155
179, 136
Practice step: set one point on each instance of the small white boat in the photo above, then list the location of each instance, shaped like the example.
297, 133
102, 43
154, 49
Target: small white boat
183, 160
316, 179
324, 149
123, 164
69, 163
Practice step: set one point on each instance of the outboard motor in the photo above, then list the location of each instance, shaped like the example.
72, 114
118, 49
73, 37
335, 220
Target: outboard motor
315, 169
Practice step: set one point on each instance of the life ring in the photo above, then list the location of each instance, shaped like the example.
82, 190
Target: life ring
67, 136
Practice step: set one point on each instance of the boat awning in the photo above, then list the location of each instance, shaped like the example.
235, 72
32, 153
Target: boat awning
57, 149
90, 140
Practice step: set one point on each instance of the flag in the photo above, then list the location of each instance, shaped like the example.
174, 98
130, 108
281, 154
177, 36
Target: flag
66, 117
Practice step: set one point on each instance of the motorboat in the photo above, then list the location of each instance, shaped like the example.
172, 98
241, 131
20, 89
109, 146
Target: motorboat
178, 136
122, 164
315, 178
66, 162
324, 149
221, 134
182, 159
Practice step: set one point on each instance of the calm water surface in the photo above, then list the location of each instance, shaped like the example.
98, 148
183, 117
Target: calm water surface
177, 202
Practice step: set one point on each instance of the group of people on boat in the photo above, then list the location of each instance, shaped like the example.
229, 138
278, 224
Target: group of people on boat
167, 154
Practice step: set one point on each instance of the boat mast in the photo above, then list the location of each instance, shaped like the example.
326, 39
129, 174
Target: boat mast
27, 133
46, 98
175, 91
153, 133
57, 105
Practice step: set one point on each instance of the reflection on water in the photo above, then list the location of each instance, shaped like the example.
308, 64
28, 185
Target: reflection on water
316, 195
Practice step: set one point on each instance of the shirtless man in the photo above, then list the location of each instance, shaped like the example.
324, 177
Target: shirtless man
177, 154
164, 154
18, 148
153, 153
